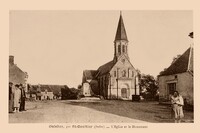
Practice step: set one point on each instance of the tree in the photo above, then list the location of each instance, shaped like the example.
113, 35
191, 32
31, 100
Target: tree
149, 87
79, 87
65, 92
69, 93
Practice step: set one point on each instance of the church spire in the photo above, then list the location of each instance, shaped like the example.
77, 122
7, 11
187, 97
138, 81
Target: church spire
121, 41
121, 32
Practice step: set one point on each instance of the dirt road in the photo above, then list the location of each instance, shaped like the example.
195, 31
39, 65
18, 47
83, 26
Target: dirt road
77, 111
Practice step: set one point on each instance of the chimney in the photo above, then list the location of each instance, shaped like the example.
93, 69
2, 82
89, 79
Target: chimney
11, 60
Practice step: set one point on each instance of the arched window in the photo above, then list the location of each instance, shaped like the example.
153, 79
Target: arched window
119, 48
123, 49
124, 73
115, 74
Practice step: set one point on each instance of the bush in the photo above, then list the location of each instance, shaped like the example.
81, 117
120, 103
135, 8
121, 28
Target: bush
69, 93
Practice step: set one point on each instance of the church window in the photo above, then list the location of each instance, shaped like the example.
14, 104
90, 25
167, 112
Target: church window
124, 73
103, 82
123, 61
119, 48
115, 73
123, 49
100, 82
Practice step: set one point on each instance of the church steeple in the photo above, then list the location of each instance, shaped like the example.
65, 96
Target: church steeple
121, 40
121, 32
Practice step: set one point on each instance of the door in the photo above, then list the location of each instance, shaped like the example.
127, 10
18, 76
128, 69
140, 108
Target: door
171, 89
124, 93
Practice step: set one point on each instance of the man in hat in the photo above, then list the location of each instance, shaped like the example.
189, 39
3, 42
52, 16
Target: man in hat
11, 97
23, 98
17, 97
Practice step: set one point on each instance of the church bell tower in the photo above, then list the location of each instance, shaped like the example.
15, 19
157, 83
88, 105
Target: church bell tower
121, 41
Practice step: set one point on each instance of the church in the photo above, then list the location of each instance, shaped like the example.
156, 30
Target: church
116, 79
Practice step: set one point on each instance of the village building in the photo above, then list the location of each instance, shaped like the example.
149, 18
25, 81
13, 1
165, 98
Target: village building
44, 92
117, 79
47, 95
89, 83
16, 75
178, 77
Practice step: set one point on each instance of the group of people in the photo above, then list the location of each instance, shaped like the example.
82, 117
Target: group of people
177, 106
17, 98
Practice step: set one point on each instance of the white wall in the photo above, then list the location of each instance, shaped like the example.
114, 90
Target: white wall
49, 94
184, 85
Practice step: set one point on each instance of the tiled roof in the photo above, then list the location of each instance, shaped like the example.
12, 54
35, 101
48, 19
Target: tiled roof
105, 68
16, 75
89, 74
121, 32
181, 64
50, 88
45, 87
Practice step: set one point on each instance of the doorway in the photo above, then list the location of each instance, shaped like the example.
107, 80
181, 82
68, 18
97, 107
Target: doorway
171, 87
125, 91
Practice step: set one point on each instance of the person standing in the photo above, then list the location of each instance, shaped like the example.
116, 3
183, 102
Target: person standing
17, 97
23, 98
11, 97
177, 106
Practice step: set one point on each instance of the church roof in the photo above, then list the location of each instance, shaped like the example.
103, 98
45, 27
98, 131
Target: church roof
104, 69
89, 74
121, 32
182, 64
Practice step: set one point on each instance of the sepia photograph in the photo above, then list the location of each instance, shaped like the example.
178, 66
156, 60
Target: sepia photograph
101, 66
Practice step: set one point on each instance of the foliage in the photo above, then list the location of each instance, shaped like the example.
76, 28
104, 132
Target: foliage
149, 87
79, 87
69, 93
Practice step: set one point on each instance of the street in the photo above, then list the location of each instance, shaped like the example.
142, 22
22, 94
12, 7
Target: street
104, 111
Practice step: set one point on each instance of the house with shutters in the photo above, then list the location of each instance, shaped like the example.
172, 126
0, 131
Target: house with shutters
116, 79
178, 77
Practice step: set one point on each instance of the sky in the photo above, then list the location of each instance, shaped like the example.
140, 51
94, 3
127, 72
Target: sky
54, 47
